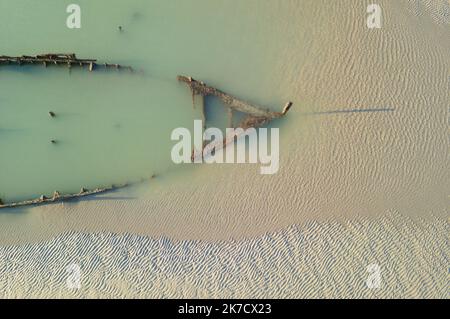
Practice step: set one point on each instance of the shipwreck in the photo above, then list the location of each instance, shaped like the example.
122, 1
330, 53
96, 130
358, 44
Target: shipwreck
58, 59
58, 197
256, 116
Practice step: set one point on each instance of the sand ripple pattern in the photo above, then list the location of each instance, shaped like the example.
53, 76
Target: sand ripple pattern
317, 259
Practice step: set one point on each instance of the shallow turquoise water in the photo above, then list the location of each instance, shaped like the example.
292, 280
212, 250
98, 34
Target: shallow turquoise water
114, 127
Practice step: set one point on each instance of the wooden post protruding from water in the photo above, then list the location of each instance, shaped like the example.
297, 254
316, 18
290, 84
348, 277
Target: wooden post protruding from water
200, 88
63, 59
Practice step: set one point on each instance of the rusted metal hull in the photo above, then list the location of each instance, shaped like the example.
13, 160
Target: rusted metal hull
66, 60
256, 116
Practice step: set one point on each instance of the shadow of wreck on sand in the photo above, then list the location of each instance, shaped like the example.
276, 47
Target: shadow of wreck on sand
349, 111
